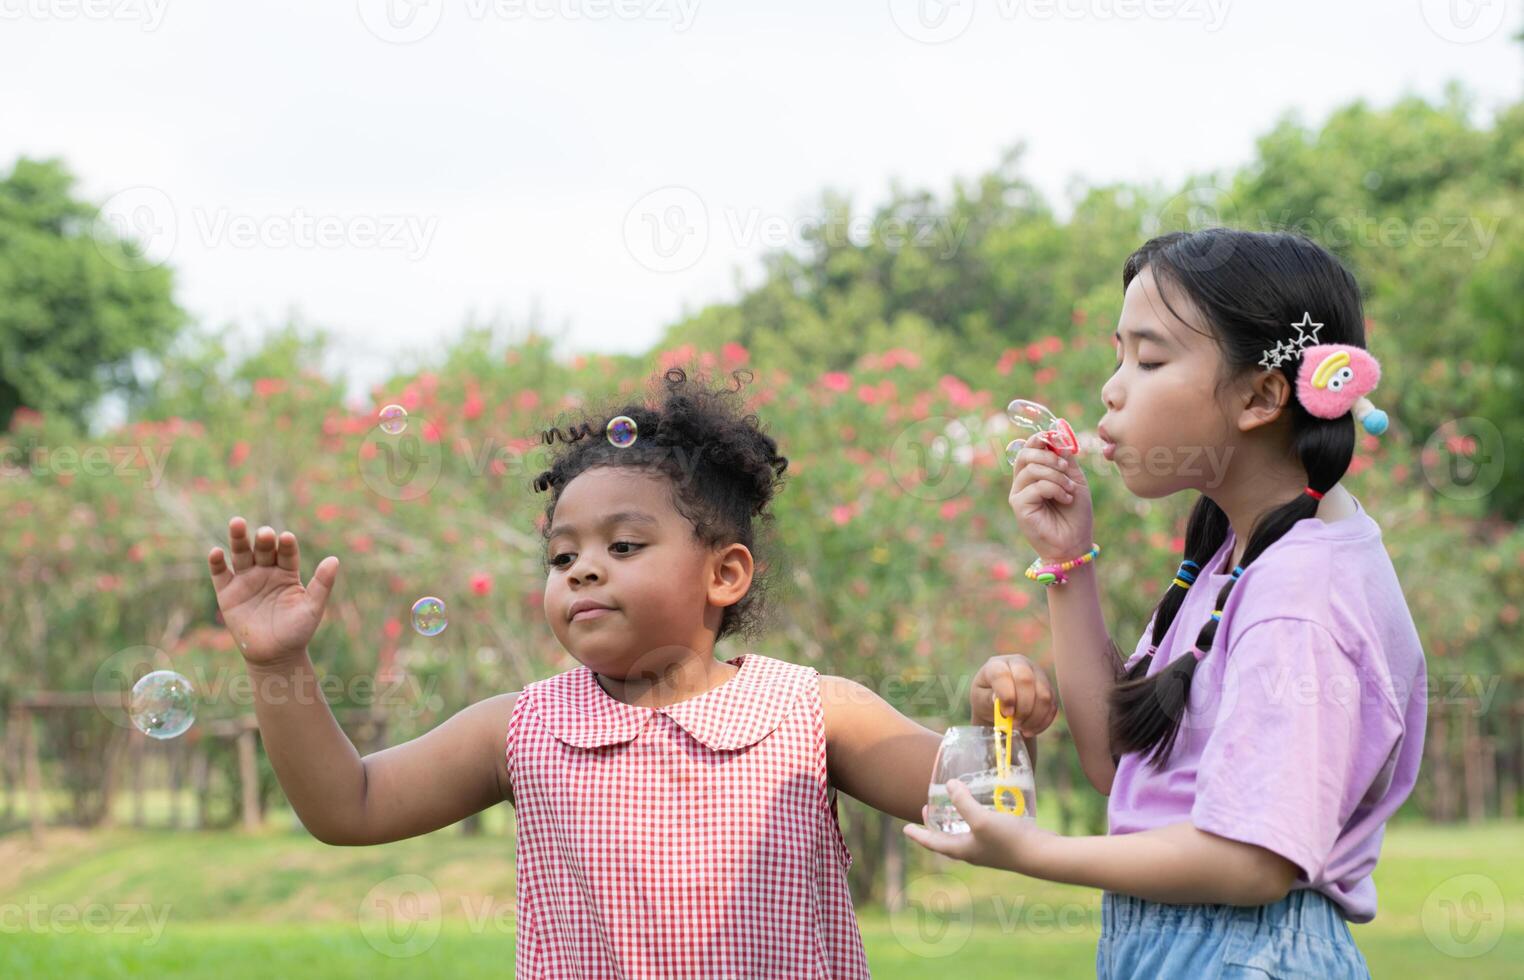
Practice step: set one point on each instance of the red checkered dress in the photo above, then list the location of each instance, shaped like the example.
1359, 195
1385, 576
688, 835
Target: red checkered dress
698, 840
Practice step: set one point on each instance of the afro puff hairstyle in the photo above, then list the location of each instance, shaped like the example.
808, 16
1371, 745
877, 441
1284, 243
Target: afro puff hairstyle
724, 470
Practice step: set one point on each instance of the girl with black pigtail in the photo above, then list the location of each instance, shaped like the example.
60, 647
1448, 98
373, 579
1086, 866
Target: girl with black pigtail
1271, 717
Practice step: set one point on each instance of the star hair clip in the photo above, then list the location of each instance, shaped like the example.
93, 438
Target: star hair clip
1333, 378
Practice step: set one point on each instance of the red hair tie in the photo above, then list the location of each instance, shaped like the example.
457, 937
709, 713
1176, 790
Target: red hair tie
1313, 494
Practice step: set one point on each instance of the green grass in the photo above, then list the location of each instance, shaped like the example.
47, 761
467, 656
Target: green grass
232, 905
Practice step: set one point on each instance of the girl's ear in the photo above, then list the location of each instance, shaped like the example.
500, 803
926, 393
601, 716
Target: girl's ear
1263, 399
730, 575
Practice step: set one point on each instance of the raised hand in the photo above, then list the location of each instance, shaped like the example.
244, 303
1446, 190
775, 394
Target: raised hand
1050, 497
264, 605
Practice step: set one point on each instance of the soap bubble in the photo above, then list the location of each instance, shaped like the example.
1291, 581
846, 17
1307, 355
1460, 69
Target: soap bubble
621, 431
429, 616
1055, 432
393, 419
163, 704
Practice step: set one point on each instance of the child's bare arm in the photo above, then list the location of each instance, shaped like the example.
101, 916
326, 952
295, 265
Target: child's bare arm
439, 778
874, 753
1050, 496
457, 769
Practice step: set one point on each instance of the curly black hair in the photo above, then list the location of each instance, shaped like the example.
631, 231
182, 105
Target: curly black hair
723, 468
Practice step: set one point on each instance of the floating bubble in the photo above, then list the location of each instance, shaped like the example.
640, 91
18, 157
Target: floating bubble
393, 419
1012, 448
429, 616
163, 704
621, 431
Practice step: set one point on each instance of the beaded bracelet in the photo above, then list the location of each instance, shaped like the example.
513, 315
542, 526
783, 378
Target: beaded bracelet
1054, 574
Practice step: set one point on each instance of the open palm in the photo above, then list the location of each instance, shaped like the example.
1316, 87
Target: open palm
260, 592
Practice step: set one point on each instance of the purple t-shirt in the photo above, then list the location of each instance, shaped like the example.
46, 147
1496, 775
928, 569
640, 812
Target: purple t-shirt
1306, 719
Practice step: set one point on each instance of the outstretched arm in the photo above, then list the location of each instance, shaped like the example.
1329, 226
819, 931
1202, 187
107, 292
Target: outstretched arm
874, 753
444, 775
878, 755
1177, 863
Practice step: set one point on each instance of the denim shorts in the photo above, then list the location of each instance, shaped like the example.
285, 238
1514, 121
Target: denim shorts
1302, 935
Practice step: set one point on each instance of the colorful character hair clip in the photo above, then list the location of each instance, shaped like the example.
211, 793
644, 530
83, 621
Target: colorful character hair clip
1333, 378
1049, 430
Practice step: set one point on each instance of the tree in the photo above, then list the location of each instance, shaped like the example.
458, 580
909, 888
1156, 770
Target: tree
77, 302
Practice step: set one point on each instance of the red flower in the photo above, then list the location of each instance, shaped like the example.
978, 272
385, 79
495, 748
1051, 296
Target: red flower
473, 407
836, 381
328, 512
677, 356
735, 355
527, 399
957, 392
239, 454
481, 583
26, 417
1015, 598
265, 387
393, 628
1045, 375
952, 508
842, 513
1001, 571
360, 543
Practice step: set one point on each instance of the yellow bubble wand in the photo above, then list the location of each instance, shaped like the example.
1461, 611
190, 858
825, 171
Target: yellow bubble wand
1004, 738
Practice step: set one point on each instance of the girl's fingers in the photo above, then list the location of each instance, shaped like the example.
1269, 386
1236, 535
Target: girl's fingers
264, 546
1048, 490
1023, 695
1031, 453
239, 545
1039, 471
221, 573
1044, 708
952, 845
287, 555
968, 807
323, 577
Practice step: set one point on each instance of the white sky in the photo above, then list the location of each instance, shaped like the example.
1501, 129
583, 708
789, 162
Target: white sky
521, 154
